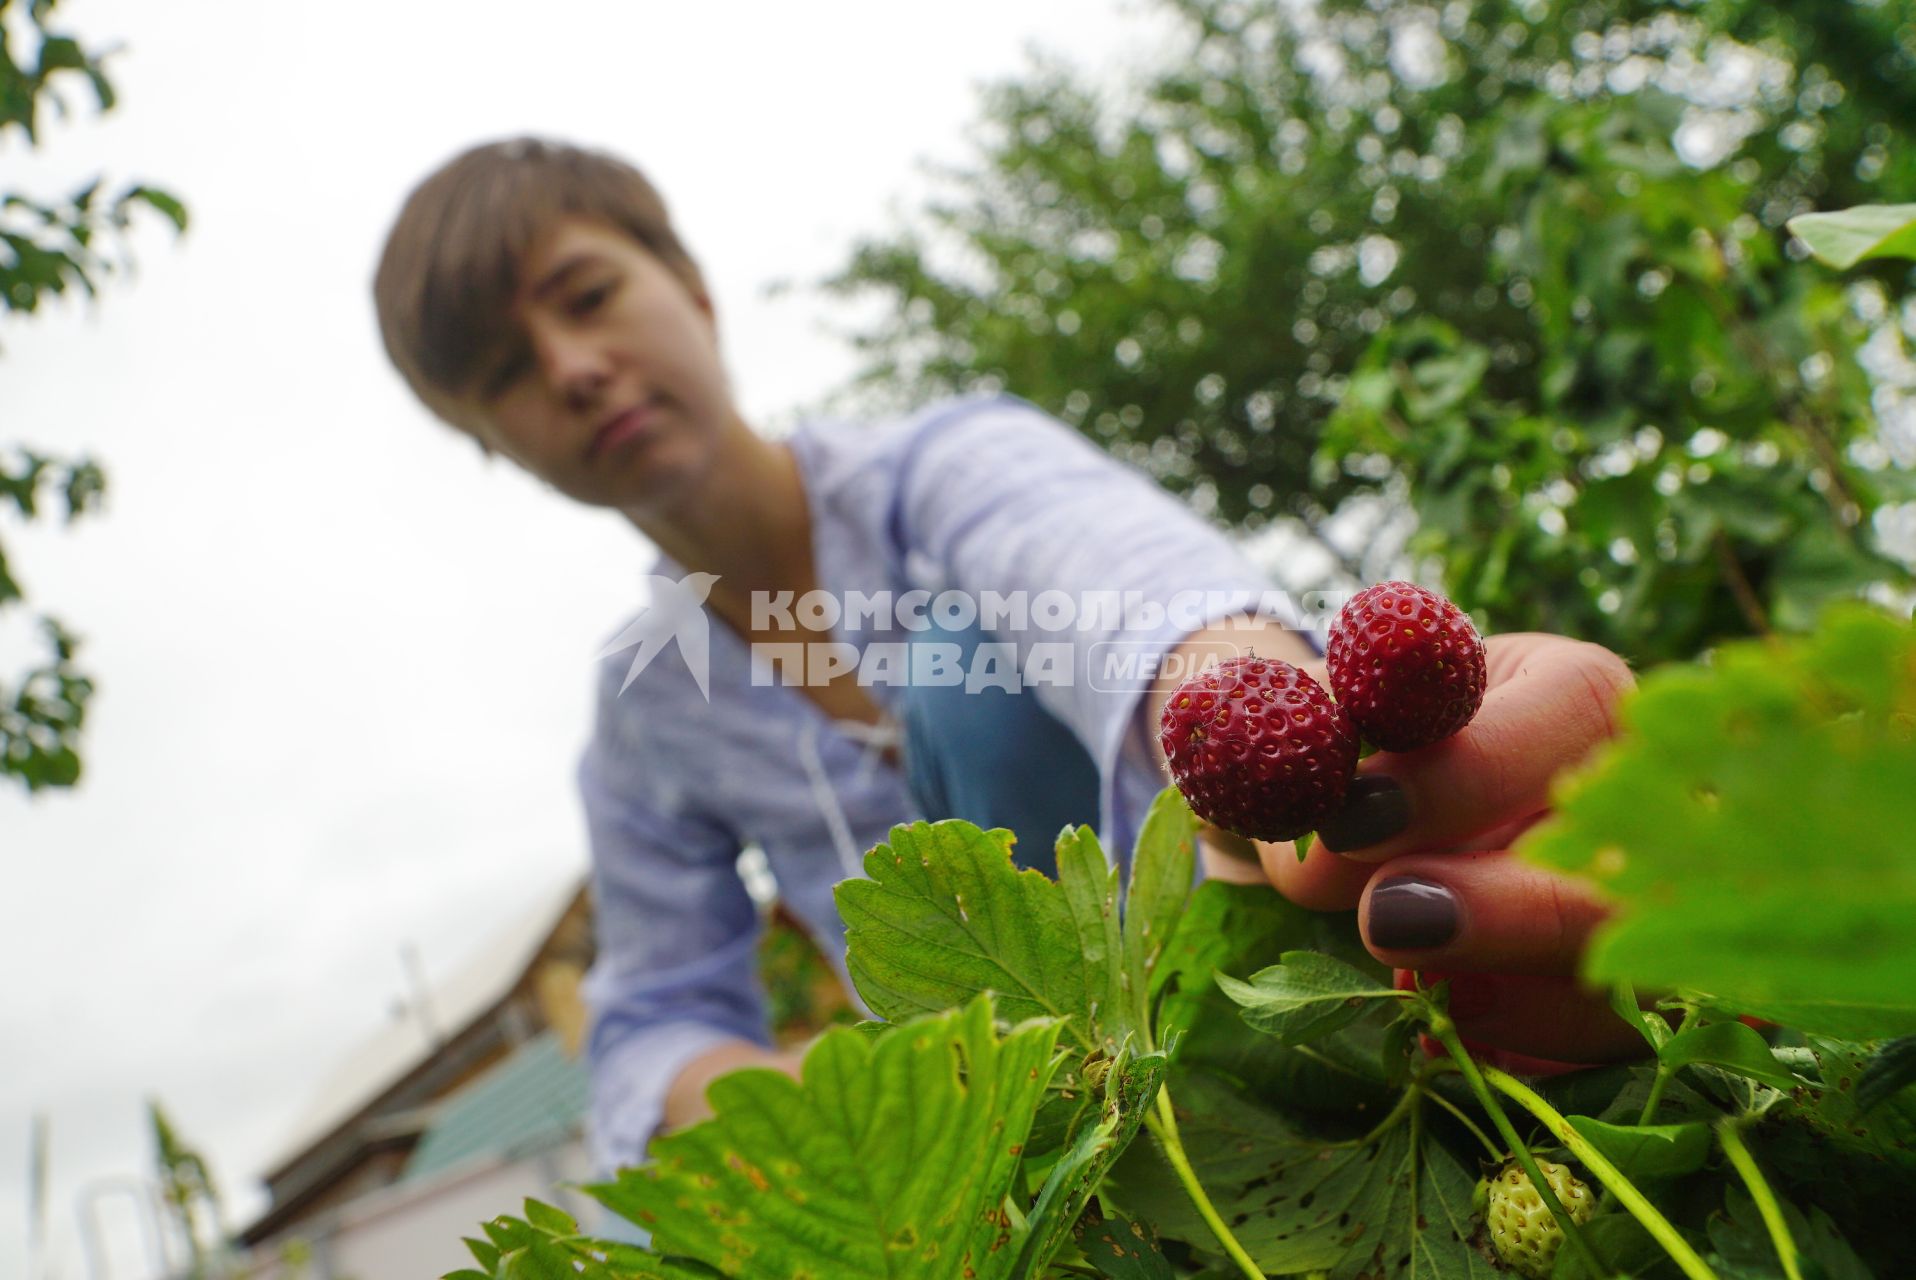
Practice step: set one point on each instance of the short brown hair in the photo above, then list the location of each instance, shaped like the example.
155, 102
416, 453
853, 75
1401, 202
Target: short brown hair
447, 277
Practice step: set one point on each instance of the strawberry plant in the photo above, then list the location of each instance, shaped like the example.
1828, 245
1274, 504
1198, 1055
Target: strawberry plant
1118, 1074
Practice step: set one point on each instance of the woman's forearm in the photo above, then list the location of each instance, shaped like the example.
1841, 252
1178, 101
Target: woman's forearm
685, 1100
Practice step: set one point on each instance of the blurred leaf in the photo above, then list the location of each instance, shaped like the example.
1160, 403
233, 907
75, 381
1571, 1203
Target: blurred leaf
166, 205
1891, 1070
1786, 772
1850, 236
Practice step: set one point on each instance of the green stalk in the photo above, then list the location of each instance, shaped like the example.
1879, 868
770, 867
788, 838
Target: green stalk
1730, 1133
1165, 1125
1391, 1120
1445, 1032
1656, 1094
1662, 1076
1608, 1174
1463, 1119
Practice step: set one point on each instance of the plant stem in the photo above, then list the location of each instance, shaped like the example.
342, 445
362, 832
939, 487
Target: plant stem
1165, 1125
1747, 601
1656, 1094
1729, 1132
1466, 1122
1445, 1032
1612, 1178
1663, 1075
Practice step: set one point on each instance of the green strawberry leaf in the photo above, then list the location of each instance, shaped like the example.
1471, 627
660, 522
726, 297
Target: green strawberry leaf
1732, 1047
1623, 999
1861, 1166
1306, 996
1121, 1249
1648, 1150
1130, 1088
1241, 929
547, 1218
1750, 826
1162, 867
1623, 1248
944, 915
1395, 1207
1744, 1250
1849, 236
484, 1252
1889, 1072
550, 1248
891, 1156
1885, 1130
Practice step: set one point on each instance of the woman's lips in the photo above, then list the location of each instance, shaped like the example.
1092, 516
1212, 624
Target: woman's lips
627, 426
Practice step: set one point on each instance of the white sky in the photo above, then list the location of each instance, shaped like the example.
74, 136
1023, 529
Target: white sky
343, 664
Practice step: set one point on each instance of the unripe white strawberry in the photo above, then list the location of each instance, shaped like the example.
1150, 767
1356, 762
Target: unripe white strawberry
1522, 1233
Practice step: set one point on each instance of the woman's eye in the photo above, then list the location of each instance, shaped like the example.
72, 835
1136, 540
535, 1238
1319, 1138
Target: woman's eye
591, 300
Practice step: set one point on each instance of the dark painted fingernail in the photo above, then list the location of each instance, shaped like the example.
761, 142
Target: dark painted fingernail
1375, 809
1408, 913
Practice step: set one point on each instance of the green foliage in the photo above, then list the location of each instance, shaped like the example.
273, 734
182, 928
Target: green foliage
49, 246
1305, 996
1045, 949
1848, 237
1750, 821
1452, 254
908, 1143
1299, 1203
186, 1189
1648, 1151
1073, 1090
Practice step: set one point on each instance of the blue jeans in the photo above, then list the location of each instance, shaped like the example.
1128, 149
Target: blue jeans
995, 758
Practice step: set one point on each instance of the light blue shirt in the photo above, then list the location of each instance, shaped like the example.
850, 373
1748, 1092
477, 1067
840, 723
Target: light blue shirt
982, 495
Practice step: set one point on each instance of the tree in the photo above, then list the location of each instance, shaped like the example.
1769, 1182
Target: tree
48, 247
1521, 264
187, 1190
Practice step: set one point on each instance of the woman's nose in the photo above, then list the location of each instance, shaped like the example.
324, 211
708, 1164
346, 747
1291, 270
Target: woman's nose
577, 368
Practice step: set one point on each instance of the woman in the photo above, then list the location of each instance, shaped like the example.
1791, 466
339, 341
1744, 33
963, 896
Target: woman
536, 298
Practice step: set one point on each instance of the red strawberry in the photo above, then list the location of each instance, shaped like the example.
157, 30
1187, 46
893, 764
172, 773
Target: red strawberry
1258, 748
1406, 664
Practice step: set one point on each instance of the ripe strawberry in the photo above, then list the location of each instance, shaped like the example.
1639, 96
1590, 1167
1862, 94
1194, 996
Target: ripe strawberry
1523, 1235
1406, 664
1258, 748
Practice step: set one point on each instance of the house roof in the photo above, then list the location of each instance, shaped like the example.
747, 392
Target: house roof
534, 1098
389, 1054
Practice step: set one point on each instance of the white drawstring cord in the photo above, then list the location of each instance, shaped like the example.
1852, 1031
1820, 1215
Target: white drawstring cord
876, 738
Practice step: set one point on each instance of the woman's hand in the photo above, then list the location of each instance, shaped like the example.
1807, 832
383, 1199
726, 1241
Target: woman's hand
1421, 850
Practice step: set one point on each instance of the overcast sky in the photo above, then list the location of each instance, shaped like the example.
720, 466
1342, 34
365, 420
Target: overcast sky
343, 663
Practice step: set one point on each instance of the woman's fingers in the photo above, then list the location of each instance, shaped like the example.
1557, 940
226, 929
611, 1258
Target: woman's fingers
1321, 882
1550, 701
1538, 1018
1479, 912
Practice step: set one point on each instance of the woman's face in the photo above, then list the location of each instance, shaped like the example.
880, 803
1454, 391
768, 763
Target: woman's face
611, 390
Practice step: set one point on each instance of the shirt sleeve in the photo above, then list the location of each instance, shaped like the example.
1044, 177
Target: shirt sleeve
998, 496
676, 970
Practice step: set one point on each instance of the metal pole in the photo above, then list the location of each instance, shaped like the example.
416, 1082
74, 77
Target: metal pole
91, 1241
